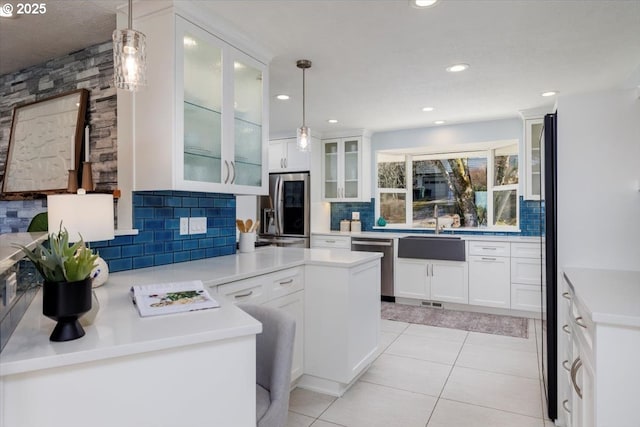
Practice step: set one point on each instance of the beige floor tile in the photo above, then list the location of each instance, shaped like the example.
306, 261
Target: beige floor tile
425, 348
501, 341
298, 420
371, 405
308, 402
456, 414
448, 334
386, 338
392, 326
502, 360
408, 374
493, 390
321, 423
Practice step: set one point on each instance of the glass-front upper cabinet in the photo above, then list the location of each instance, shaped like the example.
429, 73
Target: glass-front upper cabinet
343, 163
202, 124
534, 158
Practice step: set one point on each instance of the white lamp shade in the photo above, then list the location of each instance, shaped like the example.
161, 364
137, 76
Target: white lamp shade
86, 215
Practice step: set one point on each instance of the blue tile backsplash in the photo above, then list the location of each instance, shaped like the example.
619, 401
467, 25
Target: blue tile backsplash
531, 218
156, 216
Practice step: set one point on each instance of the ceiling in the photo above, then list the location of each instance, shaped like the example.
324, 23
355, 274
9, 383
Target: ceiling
376, 64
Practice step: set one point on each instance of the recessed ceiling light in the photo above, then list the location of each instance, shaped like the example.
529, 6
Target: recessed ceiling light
282, 97
439, 122
456, 68
332, 121
189, 42
420, 4
427, 109
549, 93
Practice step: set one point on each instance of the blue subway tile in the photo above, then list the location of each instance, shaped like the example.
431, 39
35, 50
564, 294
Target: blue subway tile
121, 240
138, 223
230, 240
162, 259
143, 261
142, 212
219, 203
153, 224
137, 199
121, 264
197, 212
101, 244
212, 252
152, 200
198, 254
163, 212
228, 250
219, 241
153, 248
143, 237
205, 243
181, 256
173, 246
190, 244
212, 212
181, 212
132, 251
205, 202
162, 235
189, 202
212, 231
174, 202
172, 224
111, 252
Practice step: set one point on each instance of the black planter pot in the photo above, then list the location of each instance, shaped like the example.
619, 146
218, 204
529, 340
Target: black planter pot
65, 302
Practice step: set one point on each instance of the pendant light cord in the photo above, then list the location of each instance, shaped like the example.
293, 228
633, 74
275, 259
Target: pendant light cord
304, 122
130, 14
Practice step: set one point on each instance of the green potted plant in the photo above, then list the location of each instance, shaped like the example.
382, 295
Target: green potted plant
66, 292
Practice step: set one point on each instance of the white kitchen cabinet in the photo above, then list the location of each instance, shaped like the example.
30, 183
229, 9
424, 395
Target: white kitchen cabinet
346, 169
432, 280
534, 158
331, 241
202, 124
294, 305
282, 289
489, 274
526, 276
342, 324
284, 156
601, 376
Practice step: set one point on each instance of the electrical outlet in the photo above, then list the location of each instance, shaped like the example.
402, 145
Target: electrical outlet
198, 225
10, 289
184, 226
355, 216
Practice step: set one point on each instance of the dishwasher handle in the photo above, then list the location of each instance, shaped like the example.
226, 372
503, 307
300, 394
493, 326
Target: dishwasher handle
369, 243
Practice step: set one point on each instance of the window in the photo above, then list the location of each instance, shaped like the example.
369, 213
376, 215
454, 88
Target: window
464, 188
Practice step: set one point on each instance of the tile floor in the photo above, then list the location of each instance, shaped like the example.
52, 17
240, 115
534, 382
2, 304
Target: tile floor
427, 376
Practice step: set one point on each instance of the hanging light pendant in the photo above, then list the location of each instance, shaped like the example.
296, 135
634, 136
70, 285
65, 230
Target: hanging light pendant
304, 133
129, 57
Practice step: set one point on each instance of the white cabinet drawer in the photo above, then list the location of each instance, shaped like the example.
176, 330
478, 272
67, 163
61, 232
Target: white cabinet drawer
527, 250
331, 241
285, 282
526, 297
250, 290
527, 271
489, 248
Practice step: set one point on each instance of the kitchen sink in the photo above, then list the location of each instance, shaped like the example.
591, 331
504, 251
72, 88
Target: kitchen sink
449, 248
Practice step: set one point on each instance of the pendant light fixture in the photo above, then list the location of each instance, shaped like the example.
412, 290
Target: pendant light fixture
304, 133
129, 57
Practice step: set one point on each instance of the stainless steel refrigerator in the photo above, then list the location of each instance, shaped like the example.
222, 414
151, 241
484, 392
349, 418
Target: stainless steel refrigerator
285, 213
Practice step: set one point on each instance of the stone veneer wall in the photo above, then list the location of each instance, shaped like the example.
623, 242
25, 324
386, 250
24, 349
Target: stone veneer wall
90, 68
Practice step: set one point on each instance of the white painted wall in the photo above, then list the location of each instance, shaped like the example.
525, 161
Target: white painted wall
598, 180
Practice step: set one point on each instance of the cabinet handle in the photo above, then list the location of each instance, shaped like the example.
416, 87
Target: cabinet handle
577, 364
566, 295
233, 166
286, 282
580, 322
565, 405
488, 259
565, 365
226, 168
244, 295
566, 329
490, 249
431, 270
330, 241
286, 163
281, 163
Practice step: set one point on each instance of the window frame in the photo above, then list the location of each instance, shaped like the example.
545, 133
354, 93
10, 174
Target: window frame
486, 150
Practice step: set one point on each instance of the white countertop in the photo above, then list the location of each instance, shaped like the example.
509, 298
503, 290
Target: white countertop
462, 235
610, 296
118, 330
9, 253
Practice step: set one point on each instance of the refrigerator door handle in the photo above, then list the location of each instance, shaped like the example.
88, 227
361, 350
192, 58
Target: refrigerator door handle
279, 206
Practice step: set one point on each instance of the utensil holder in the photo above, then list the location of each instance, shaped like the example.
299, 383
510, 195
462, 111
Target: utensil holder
247, 242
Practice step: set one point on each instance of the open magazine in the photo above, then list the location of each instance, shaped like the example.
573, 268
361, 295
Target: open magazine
166, 298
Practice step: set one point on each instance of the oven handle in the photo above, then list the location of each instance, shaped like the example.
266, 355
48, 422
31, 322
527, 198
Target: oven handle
365, 243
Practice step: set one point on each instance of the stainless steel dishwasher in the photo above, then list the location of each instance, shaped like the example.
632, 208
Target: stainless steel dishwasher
385, 246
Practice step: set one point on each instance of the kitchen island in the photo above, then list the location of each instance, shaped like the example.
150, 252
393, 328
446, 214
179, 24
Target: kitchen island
187, 369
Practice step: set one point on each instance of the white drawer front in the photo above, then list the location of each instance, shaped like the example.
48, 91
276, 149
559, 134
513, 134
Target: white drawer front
336, 242
489, 248
286, 282
526, 297
250, 290
527, 271
526, 250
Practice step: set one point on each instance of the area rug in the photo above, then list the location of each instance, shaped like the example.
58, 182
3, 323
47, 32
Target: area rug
468, 321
